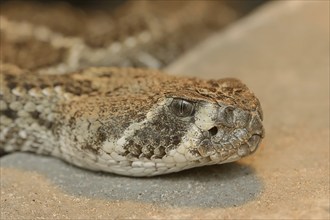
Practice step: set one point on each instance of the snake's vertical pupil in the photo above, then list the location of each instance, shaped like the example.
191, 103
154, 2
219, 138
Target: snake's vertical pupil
182, 108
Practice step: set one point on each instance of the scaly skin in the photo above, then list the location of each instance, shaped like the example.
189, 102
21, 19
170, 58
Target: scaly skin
134, 122
124, 120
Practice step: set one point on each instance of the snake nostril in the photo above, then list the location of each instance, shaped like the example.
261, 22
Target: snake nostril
213, 131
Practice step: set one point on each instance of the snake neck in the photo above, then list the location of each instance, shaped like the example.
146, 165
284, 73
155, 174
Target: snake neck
30, 114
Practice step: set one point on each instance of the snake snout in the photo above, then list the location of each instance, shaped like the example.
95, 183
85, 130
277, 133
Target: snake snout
255, 126
253, 142
256, 129
249, 146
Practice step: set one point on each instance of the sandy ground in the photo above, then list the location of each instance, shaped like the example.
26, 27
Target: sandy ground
282, 53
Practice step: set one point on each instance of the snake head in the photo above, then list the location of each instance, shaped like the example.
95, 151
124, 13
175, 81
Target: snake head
151, 123
195, 123
222, 132
223, 121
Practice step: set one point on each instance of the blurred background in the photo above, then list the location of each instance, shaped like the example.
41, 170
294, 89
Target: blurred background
243, 6
173, 27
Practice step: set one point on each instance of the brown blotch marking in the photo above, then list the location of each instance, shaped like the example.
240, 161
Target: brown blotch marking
28, 86
9, 113
10, 80
35, 114
31, 53
11, 85
9, 77
75, 90
45, 123
57, 84
79, 87
43, 86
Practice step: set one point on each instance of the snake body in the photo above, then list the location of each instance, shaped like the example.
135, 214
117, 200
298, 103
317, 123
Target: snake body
129, 121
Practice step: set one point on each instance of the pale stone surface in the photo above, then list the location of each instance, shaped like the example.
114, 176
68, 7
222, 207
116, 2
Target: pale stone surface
192, 188
282, 53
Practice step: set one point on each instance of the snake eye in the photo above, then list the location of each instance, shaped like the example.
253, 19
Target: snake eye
182, 108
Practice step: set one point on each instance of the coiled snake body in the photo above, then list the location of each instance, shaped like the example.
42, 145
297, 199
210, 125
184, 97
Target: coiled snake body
129, 121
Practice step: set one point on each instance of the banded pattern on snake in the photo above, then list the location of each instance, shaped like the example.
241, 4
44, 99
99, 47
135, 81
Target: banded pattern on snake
129, 121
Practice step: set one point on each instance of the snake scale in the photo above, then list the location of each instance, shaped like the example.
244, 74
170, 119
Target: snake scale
57, 97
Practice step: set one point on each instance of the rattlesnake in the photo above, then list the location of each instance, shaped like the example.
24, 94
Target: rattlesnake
129, 121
